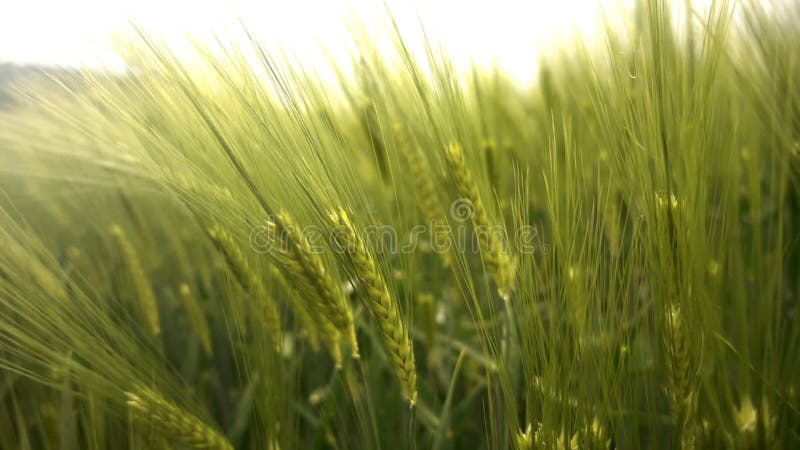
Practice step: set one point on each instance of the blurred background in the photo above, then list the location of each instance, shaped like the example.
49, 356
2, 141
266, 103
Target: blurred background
85, 33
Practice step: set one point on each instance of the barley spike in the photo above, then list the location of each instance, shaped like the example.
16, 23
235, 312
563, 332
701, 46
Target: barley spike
144, 292
249, 280
307, 269
380, 302
493, 250
174, 422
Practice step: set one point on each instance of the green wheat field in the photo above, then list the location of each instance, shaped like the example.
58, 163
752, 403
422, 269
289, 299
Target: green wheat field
230, 253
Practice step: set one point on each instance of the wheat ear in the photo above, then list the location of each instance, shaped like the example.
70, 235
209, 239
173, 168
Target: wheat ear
593, 437
679, 370
493, 249
249, 280
380, 302
525, 438
204, 190
311, 323
315, 325
197, 319
680, 376
307, 269
371, 124
428, 203
174, 422
39, 273
144, 292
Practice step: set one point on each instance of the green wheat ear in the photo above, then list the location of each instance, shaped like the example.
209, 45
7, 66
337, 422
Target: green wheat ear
308, 326
380, 303
494, 250
316, 325
593, 437
38, 272
172, 422
428, 204
680, 376
679, 372
746, 419
144, 291
249, 280
196, 317
525, 439
306, 268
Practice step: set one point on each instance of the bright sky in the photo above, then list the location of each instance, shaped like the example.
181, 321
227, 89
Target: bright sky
80, 32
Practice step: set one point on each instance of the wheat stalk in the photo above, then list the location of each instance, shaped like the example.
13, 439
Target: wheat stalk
173, 422
380, 302
493, 249
427, 306
489, 149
